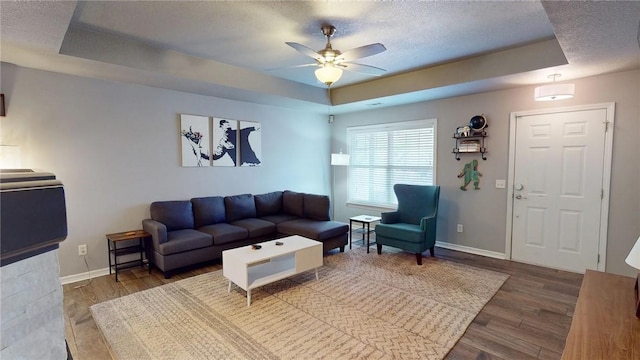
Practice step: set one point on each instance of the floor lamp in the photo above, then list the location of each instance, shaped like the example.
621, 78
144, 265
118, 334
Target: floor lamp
336, 160
634, 260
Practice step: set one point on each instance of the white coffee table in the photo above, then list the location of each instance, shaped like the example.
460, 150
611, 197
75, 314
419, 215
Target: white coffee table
250, 268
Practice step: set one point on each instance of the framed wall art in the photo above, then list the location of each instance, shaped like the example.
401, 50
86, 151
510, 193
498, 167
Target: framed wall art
225, 141
250, 143
194, 135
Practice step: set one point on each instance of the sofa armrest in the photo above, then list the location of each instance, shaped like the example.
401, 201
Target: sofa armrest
157, 230
390, 217
426, 222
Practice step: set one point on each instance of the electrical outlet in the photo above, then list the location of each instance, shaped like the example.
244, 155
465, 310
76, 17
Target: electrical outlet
460, 228
501, 184
82, 249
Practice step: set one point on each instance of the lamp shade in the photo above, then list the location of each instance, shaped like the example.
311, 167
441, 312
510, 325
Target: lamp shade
633, 258
328, 74
340, 159
554, 92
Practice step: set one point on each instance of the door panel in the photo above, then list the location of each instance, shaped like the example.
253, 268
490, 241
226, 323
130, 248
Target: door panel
558, 181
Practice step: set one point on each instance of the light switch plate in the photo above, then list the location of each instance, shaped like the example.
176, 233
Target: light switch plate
501, 184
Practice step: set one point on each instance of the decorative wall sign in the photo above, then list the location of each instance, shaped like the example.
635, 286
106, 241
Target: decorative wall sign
225, 140
194, 134
250, 143
470, 173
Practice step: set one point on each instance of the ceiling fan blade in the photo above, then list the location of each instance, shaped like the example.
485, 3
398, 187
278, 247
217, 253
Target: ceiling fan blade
363, 69
362, 52
306, 51
292, 67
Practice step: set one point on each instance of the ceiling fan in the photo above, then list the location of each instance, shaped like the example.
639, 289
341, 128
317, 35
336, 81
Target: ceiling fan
331, 61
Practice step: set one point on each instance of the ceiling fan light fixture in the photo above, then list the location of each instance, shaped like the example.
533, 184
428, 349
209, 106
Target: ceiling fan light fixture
554, 91
328, 74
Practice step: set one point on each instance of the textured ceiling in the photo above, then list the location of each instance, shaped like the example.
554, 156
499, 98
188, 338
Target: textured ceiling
253, 34
237, 50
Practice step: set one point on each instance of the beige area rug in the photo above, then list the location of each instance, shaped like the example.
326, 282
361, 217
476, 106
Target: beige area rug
364, 306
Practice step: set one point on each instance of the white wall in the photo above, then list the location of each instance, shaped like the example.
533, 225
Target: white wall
116, 149
483, 212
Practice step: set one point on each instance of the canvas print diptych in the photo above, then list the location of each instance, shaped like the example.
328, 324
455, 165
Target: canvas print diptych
250, 143
195, 141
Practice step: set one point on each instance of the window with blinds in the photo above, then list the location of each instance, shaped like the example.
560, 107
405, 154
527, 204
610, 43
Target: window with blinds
388, 154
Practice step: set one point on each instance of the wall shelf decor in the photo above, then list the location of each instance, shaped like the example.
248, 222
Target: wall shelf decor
473, 143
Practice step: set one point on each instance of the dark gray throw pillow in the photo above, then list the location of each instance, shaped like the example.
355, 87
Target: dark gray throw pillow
240, 207
268, 204
293, 203
208, 210
316, 207
175, 215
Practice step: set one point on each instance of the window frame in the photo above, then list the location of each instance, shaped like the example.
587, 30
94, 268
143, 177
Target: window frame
389, 127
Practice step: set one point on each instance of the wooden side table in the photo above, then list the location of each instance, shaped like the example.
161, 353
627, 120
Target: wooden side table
365, 220
115, 251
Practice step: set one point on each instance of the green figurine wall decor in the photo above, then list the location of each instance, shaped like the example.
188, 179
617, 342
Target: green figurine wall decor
470, 173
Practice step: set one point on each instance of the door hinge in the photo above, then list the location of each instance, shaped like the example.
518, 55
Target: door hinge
606, 126
601, 193
598, 258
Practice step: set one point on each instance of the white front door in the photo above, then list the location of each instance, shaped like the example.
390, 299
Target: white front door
558, 188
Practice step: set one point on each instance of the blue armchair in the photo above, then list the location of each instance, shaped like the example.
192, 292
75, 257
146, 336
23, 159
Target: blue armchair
413, 226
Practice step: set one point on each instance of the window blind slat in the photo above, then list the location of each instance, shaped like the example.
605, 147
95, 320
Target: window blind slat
384, 155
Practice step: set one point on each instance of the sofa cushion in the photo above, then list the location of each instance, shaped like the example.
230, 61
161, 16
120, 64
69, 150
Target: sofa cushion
316, 207
404, 231
268, 204
313, 229
277, 219
240, 207
208, 210
184, 240
293, 203
175, 215
223, 233
256, 227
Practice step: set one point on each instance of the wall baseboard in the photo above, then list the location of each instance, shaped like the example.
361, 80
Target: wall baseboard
467, 249
471, 250
84, 276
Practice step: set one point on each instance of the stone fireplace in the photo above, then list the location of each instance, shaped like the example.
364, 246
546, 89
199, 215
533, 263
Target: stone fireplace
33, 223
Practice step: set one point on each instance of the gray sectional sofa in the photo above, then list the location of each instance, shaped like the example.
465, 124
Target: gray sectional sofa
190, 232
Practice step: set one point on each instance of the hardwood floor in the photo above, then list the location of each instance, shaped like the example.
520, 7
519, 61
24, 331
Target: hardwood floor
529, 317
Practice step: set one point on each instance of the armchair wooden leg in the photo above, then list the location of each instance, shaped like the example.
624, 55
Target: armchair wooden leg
379, 246
419, 258
432, 251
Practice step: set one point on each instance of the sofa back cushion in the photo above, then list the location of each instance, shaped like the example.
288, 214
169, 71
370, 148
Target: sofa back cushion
316, 207
293, 203
240, 207
175, 215
208, 210
268, 204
